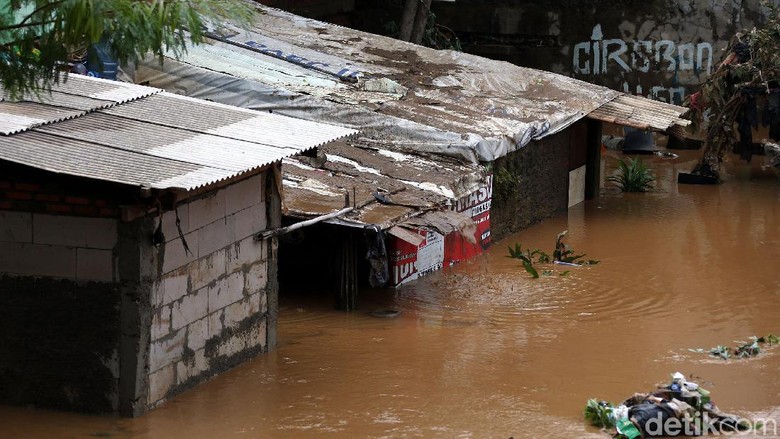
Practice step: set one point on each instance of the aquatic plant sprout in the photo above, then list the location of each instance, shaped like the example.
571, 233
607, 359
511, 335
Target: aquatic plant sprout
633, 176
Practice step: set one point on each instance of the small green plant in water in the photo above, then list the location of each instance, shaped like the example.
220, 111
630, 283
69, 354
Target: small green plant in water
526, 258
563, 253
744, 350
598, 413
633, 176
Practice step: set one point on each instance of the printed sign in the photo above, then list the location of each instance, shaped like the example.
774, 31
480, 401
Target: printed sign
409, 262
477, 204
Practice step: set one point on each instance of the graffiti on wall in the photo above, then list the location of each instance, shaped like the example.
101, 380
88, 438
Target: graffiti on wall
600, 56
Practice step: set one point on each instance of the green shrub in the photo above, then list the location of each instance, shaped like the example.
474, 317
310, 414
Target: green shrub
633, 176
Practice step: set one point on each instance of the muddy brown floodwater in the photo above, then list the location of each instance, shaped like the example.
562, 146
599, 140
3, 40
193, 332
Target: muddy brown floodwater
481, 350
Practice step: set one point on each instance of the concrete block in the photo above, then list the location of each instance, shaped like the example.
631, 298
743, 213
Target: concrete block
237, 312
38, 260
257, 277
191, 307
250, 221
175, 255
216, 235
15, 226
258, 336
209, 269
215, 323
159, 383
161, 323
255, 302
167, 350
169, 222
189, 369
245, 252
206, 210
198, 333
244, 194
263, 302
75, 231
226, 291
174, 287
95, 265
233, 345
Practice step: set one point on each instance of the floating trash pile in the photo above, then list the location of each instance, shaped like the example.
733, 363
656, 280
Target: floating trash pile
678, 408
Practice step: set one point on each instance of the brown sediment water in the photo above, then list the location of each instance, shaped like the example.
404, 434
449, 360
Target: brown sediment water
482, 350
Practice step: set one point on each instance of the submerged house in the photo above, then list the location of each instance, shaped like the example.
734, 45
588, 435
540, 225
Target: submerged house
130, 268
453, 151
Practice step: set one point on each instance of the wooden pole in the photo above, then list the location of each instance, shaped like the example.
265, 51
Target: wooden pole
420, 21
407, 20
282, 230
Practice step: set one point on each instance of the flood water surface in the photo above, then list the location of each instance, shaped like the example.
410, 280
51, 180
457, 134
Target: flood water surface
482, 350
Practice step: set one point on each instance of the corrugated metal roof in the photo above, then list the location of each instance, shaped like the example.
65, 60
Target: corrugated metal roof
162, 141
227, 121
460, 104
412, 184
74, 96
642, 113
408, 98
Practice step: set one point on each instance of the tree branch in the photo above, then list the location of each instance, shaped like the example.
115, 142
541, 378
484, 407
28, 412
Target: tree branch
41, 9
24, 25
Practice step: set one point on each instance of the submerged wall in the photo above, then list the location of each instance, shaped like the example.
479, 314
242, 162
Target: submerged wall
99, 318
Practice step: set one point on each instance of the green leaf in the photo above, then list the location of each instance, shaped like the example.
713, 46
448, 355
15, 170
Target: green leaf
530, 269
633, 176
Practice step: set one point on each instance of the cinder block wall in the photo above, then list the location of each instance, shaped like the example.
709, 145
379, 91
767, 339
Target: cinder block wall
66, 247
210, 305
59, 334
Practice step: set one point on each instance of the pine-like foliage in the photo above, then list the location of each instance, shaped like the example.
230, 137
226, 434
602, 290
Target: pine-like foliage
38, 36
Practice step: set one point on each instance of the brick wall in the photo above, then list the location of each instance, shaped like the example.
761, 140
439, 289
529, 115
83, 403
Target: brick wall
209, 305
27, 189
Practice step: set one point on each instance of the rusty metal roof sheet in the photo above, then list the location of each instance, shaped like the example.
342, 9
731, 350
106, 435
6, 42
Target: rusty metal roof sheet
638, 112
170, 142
409, 96
412, 184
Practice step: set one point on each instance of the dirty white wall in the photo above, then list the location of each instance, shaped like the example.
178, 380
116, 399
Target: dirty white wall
209, 307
